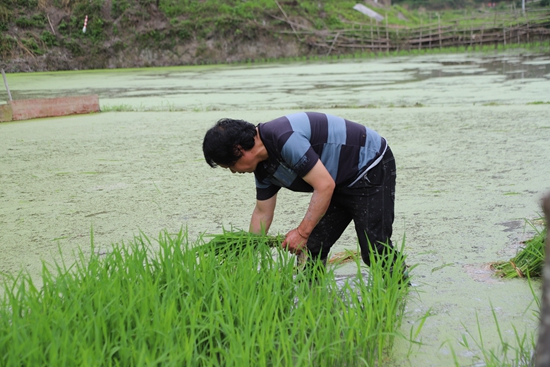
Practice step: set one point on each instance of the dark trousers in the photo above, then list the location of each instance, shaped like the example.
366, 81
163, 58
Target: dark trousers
370, 204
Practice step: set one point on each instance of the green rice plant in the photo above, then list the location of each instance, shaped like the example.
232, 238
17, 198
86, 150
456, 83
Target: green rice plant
505, 354
117, 108
234, 241
169, 302
529, 261
516, 353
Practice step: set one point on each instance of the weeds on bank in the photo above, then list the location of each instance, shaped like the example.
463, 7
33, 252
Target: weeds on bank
178, 305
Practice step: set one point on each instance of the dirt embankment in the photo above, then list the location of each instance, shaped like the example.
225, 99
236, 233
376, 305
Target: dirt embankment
141, 36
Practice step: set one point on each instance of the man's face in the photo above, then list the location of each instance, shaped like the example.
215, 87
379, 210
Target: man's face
246, 164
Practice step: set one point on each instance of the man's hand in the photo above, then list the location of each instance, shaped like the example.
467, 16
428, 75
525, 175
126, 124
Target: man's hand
262, 216
294, 242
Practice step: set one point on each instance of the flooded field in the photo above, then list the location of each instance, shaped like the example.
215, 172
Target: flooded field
469, 133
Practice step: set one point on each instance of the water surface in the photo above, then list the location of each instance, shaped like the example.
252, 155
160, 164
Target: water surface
472, 166
430, 80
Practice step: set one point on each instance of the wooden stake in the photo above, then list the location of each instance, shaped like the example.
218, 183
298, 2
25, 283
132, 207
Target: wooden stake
439, 29
378, 35
371, 37
481, 37
333, 42
6, 84
420, 39
430, 35
387, 37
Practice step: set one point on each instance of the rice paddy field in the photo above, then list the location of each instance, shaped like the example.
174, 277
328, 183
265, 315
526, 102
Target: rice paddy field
470, 133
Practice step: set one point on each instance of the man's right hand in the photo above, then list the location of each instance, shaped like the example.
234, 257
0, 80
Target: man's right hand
294, 242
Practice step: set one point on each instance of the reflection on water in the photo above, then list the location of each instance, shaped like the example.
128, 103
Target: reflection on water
519, 67
445, 79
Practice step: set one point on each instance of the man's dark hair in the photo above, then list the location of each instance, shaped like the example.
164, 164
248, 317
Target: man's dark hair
222, 141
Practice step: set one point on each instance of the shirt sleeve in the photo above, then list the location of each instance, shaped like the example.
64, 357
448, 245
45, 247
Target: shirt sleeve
265, 189
298, 154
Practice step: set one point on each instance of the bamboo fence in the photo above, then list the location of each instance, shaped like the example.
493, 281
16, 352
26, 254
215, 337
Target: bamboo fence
377, 37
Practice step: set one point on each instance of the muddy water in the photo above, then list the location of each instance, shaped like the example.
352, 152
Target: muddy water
472, 166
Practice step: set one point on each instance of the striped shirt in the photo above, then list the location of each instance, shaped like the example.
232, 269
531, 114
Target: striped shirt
295, 142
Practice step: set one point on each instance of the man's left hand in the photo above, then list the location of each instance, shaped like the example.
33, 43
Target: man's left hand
294, 242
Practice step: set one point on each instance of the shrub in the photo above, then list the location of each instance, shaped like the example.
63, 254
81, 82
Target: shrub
7, 44
49, 39
31, 45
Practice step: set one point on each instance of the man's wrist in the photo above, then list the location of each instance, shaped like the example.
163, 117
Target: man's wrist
300, 233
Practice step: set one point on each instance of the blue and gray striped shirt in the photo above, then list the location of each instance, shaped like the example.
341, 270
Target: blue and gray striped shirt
295, 142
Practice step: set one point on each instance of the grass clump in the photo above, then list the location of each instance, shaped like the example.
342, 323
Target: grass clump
517, 352
234, 241
179, 305
529, 261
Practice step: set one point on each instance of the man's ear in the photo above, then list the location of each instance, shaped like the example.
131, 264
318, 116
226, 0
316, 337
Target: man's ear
238, 150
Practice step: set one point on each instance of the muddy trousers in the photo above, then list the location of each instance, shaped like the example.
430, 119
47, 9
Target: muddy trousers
369, 203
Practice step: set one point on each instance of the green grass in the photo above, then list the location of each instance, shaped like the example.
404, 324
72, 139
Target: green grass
235, 21
171, 302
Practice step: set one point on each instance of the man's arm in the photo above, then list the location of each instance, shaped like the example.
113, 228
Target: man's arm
262, 216
323, 187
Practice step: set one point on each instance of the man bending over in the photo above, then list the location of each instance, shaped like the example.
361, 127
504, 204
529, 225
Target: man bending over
348, 167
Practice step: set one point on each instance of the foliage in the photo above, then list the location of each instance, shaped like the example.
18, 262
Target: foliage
166, 24
37, 20
26, 3
529, 261
49, 39
515, 353
74, 47
5, 14
31, 45
7, 44
181, 306
439, 4
229, 242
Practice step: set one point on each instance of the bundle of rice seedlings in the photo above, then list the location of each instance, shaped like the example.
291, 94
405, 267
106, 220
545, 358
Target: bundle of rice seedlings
344, 257
234, 241
529, 261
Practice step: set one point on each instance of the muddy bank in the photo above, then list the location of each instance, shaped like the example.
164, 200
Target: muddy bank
191, 52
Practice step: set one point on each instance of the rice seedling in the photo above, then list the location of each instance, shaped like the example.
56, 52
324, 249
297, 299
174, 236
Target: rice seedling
117, 108
232, 242
516, 353
529, 261
170, 302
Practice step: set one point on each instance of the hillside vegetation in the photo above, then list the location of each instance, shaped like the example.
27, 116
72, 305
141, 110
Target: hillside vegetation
39, 35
